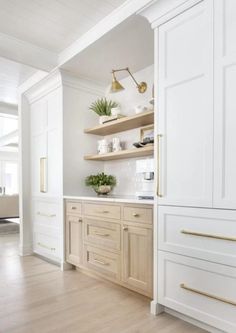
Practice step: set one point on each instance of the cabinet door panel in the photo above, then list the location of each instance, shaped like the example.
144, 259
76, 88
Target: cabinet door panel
185, 108
38, 150
137, 258
74, 248
54, 163
225, 105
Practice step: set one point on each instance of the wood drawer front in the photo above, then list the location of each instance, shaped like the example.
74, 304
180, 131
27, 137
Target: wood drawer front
207, 234
101, 210
104, 234
46, 213
73, 207
199, 289
46, 246
138, 214
102, 262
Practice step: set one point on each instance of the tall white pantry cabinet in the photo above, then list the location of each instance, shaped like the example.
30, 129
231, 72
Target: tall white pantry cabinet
195, 80
57, 108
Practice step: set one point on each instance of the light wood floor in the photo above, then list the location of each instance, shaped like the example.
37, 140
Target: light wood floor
36, 296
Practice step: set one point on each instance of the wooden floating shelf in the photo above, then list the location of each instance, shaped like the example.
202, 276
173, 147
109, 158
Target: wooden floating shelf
123, 124
128, 153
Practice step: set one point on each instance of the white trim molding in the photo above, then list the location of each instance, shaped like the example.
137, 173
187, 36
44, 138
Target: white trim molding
26, 53
129, 8
161, 11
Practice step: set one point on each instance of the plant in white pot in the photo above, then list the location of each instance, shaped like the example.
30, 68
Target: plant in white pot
102, 107
101, 183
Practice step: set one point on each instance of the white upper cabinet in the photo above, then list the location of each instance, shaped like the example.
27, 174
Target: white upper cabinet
225, 104
185, 108
46, 142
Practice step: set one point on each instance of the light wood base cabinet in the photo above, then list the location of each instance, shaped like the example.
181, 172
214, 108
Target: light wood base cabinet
137, 257
112, 241
74, 253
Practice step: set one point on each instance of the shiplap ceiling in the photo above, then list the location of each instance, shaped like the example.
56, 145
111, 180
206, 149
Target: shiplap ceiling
12, 74
52, 24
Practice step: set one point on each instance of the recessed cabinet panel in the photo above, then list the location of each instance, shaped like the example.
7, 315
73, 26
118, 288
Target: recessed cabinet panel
202, 290
185, 105
74, 247
137, 258
209, 234
103, 234
225, 103
102, 262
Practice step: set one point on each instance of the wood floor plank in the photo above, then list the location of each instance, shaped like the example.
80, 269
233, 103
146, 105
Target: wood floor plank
36, 297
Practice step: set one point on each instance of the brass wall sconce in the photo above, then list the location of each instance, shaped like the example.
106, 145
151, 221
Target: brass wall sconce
116, 86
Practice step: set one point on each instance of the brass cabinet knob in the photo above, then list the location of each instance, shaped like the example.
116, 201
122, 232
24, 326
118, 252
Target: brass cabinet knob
125, 228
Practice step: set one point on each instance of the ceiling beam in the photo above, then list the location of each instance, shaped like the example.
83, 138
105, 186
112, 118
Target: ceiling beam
7, 109
8, 138
130, 7
26, 53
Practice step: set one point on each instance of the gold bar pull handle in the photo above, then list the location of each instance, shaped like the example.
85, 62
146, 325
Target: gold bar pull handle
101, 234
159, 194
43, 175
101, 262
201, 234
203, 293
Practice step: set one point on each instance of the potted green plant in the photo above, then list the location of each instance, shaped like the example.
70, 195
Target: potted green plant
101, 183
102, 107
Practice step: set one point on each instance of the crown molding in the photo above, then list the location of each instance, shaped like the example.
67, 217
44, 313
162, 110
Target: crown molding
41, 88
160, 11
128, 8
26, 53
59, 78
82, 83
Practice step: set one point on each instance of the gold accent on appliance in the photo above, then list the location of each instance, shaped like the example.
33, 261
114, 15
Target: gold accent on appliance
159, 166
200, 234
116, 86
218, 298
43, 175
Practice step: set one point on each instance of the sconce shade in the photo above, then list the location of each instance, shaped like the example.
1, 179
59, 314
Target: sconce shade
115, 85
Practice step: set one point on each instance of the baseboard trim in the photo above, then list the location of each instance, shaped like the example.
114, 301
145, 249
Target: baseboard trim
156, 308
50, 261
65, 266
25, 250
192, 321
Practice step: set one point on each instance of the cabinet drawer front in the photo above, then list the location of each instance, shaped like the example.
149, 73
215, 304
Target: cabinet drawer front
73, 208
202, 233
138, 214
199, 289
104, 234
102, 262
46, 213
102, 210
46, 246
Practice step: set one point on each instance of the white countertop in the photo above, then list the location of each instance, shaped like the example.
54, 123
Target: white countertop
111, 198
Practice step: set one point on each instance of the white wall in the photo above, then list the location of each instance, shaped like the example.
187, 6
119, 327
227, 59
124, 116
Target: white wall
76, 144
128, 182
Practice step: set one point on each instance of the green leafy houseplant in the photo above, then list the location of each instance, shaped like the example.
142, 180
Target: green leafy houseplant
102, 107
101, 183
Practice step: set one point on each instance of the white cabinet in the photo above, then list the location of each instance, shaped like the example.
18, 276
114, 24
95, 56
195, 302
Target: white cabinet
185, 106
46, 142
199, 289
225, 104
